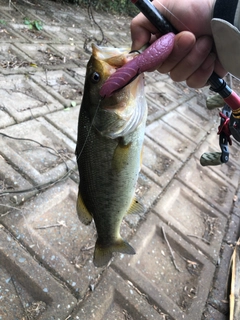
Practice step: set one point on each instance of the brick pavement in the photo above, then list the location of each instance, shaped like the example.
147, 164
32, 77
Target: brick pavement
46, 269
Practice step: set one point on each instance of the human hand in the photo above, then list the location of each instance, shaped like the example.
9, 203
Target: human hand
193, 58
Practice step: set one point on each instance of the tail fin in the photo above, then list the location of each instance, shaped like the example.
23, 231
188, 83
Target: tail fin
103, 254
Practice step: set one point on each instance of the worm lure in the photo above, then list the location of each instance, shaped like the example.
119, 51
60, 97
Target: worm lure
150, 59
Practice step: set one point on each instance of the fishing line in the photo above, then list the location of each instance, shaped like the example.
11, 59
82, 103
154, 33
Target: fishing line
91, 125
173, 15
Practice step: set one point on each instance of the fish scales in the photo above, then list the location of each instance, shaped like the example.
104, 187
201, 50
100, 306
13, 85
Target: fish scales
104, 183
109, 146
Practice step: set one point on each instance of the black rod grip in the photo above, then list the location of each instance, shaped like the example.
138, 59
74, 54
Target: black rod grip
154, 16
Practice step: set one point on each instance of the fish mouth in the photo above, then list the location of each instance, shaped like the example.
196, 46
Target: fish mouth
113, 59
122, 112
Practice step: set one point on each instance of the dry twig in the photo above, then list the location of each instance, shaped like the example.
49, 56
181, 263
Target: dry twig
200, 238
58, 224
171, 251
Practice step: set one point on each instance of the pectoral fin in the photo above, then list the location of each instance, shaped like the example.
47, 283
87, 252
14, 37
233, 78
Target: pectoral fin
136, 207
83, 213
121, 155
103, 254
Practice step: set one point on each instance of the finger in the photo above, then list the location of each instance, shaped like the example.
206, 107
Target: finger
200, 77
184, 43
193, 60
141, 31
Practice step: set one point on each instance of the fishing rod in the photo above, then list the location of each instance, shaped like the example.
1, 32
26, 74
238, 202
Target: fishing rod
230, 115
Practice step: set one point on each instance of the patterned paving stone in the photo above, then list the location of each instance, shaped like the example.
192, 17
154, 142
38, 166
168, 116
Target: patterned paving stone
78, 73
76, 36
74, 19
10, 180
116, 298
195, 110
66, 121
208, 185
213, 314
170, 139
31, 35
178, 194
8, 34
13, 60
49, 227
43, 55
185, 127
58, 239
218, 302
73, 52
5, 119
154, 111
62, 86
32, 101
35, 160
7, 14
59, 34
41, 14
158, 164
11, 15
170, 91
180, 293
154, 77
162, 94
193, 218
26, 286
219, 294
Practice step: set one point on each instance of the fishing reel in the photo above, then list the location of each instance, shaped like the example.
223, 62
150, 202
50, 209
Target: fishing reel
229, 125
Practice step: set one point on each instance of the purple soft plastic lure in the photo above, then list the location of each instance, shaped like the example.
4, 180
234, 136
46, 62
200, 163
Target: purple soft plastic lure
151, 58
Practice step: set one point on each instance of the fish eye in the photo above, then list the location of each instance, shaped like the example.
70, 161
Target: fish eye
95, 77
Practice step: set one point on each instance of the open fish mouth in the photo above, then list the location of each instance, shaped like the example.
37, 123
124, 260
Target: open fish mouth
113, 56
126, 108
113, 59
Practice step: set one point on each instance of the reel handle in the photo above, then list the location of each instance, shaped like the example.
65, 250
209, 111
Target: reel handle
211, 159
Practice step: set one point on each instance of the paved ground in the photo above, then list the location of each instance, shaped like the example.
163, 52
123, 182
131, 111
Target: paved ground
46, 269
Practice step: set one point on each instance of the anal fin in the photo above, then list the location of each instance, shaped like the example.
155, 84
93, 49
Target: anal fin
136, 207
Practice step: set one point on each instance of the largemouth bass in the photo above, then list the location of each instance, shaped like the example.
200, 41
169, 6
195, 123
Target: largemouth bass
110, 139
